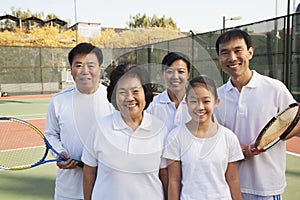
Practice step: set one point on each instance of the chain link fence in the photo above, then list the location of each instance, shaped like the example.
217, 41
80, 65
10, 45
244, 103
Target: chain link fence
40, 70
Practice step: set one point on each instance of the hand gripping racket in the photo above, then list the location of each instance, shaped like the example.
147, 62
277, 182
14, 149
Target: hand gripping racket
23, 146
278, 127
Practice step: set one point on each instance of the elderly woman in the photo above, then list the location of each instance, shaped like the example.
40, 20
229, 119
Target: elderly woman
123, 157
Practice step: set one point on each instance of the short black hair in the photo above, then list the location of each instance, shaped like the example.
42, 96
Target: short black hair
85, 48
129, 70
203, 80
231, 35
173, 56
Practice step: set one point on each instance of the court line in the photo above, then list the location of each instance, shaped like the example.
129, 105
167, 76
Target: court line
35, 114
293, 154
22, 148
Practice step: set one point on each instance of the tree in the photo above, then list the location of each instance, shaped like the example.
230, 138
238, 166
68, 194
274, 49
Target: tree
51, 16
142, 21
20, 14
137, 37
147, 30
26, 14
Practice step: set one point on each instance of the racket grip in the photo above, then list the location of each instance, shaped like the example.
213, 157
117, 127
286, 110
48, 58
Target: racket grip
255, 150
80, 164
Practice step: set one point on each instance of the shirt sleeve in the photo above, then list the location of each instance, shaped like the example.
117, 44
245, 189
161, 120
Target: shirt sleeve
88, 155
172, 146
235, 151
52, 129
285, 98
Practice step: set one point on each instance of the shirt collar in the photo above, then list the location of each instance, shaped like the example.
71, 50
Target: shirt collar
165, 99
119, 124
252, 83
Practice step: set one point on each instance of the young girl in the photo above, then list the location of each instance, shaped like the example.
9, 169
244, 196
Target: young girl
202, 154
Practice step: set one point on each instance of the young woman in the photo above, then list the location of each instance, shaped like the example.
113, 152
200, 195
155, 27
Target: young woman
123, 158
170, 105
201, 154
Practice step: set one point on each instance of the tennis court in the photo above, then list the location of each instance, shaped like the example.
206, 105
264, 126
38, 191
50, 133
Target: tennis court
38, 183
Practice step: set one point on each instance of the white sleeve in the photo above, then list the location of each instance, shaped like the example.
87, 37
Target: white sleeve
52, 130
88, 155
172, 147
285, 98
235, 151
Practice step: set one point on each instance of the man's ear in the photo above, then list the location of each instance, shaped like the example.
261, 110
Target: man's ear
250, 52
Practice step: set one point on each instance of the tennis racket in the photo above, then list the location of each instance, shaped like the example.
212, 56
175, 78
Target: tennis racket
23, 146
278, 128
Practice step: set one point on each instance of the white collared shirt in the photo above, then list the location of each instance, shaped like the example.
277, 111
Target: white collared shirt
163, 108
127, 159
246, 113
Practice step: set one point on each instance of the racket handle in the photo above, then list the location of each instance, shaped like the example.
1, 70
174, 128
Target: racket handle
80, 164
255, 150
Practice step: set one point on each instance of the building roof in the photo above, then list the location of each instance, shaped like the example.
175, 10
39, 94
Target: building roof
13, 18
57, 21
35, 19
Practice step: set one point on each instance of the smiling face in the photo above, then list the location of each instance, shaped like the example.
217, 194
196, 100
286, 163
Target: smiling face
176, 76
201, 103
85, 70
234, 57
130, 99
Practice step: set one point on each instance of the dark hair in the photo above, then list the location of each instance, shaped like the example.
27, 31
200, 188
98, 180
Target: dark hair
173, 56
129, 70
231, 35
85, 48
205, 81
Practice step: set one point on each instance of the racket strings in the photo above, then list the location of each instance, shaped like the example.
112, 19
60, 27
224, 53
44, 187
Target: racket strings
20, 157
20, 145
277, 127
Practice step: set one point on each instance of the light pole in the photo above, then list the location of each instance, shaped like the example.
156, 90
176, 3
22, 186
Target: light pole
227, 19
287, 80
76, 25
150, 46
152, 38
150, 49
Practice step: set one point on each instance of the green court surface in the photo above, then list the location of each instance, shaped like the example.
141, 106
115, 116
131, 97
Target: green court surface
31, 184
24, 109
292, 191
38, 183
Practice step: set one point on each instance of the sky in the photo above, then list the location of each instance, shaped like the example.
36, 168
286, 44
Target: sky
196, 15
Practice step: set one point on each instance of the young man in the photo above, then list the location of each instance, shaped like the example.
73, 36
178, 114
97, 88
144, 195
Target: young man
248, 101
72, 114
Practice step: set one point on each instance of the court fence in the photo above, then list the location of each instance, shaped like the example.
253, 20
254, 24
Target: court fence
32, 70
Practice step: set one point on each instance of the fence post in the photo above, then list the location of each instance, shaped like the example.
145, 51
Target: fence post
41, 71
